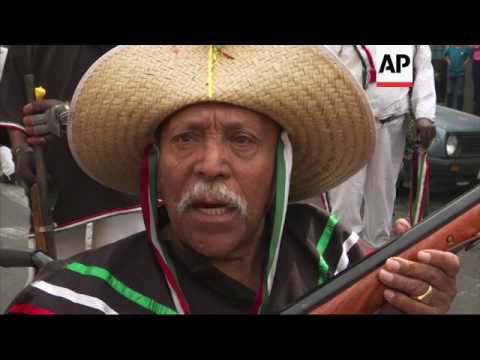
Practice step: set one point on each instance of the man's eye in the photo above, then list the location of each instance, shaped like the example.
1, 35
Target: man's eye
242, 140
184, 138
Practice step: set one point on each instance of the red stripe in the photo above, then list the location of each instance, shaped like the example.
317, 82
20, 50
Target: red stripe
258, 298
373, 70
394, 84
14, 127
29, 309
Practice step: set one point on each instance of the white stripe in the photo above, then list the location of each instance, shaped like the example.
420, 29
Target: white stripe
11, 125
326, 204
74, 297
346, 246
288, 155
423, 168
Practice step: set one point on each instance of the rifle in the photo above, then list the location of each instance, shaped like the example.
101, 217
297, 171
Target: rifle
358, 290
41, 212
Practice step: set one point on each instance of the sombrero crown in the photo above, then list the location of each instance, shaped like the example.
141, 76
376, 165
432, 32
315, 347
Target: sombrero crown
131, 90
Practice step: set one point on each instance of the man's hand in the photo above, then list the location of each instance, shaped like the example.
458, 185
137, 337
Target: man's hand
45, 120
426, 132
425, 286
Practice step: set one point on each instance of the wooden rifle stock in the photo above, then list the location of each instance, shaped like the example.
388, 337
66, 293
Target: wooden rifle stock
358, 290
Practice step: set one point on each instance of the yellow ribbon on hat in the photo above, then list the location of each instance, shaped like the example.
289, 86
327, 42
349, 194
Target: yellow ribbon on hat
213, 52
212, 59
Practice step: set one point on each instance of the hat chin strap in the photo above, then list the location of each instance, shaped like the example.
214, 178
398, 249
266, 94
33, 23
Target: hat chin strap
149, 196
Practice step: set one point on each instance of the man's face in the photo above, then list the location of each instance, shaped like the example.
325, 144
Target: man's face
216, 170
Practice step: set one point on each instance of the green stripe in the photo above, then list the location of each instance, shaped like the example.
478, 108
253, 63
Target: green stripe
322, 245
279, 202
278, 216
121, 288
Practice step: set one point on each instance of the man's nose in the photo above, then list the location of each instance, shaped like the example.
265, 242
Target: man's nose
212, 162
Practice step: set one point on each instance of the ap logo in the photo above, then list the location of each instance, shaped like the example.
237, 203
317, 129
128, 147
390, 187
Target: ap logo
394, 65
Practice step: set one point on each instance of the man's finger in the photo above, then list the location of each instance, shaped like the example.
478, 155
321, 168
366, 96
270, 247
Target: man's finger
424, 138
39, 106
35, 140
40, 130
425, 273
33, 135
409, 286
430, 134
448, 262
408, 305
33, 120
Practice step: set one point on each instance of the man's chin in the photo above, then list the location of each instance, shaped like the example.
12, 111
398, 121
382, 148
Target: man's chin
214, 246
213, 235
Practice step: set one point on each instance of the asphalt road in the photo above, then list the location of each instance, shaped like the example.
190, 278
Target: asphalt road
14, 226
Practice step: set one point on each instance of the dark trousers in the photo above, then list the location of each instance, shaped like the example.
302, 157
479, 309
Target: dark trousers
476, 87
456, 86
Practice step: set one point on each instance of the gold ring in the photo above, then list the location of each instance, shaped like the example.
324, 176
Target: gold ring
425, 294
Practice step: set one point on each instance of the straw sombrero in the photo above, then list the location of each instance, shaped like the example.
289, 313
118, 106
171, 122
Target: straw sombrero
127, 93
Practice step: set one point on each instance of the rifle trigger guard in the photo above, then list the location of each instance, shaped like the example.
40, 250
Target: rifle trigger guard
47, 228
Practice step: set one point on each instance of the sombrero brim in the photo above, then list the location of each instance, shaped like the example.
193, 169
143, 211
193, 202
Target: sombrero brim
131, 90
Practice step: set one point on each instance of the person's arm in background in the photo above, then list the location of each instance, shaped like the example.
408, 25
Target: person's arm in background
12, 101
424, 98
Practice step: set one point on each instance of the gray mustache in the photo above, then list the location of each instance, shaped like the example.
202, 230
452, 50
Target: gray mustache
218, 191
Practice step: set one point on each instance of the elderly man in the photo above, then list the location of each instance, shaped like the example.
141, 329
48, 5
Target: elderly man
225, 136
